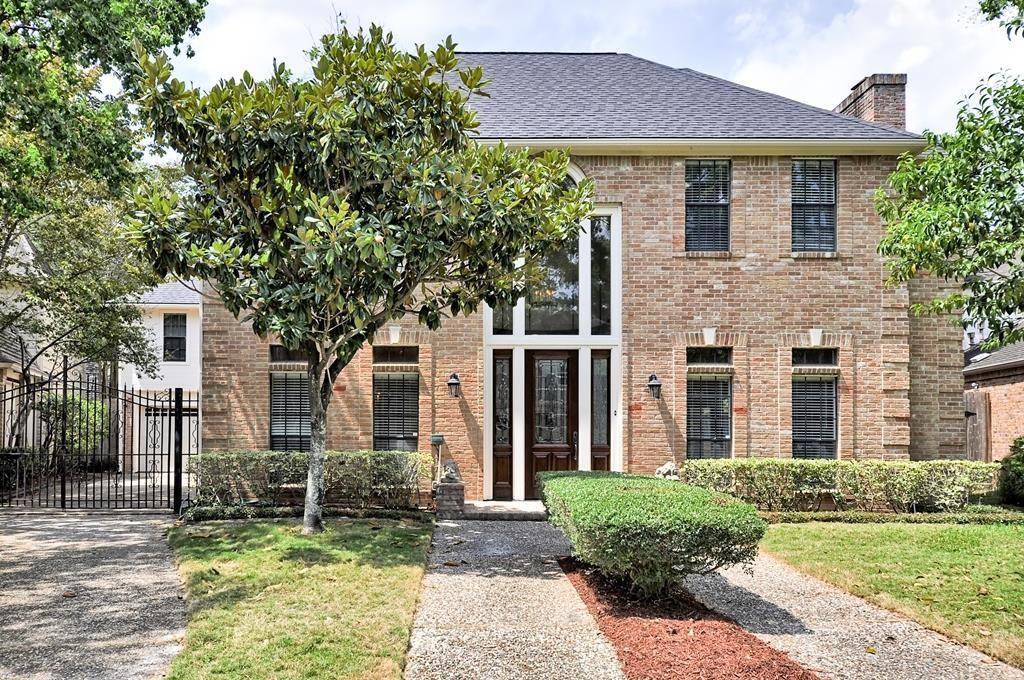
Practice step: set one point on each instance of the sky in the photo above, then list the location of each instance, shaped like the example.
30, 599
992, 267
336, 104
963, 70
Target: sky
810, 50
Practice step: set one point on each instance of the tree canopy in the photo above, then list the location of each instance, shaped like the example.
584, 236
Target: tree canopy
322, 208
957, 210
68, 157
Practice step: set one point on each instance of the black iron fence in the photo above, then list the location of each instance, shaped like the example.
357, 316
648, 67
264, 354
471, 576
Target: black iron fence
82, 444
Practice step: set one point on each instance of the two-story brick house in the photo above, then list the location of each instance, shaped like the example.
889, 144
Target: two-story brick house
725, 299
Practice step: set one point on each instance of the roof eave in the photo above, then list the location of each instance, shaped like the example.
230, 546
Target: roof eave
992, 368
584, 146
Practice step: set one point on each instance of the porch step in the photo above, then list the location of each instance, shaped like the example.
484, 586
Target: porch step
505, 511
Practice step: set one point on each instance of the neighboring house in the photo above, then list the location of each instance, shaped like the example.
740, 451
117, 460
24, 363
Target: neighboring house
726, 298
994, 402
172, 313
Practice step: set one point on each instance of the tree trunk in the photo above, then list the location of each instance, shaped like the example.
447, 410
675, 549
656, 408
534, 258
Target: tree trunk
312, 519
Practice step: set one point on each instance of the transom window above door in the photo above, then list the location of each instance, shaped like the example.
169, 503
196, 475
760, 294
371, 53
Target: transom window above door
573, 292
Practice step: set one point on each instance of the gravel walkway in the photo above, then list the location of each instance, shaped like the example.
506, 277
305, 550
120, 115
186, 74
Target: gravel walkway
87, 596
495, 604
834, 633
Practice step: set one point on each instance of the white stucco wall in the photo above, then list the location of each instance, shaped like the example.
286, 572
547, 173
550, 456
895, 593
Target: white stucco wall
185, 374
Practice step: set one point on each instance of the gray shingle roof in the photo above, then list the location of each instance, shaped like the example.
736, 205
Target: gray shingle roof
1004, 357
173, 293
545, 95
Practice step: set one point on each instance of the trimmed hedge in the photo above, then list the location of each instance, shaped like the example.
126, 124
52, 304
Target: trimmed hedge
776, 484
993, 515
209, 513
353, 479
1011, 474
650, 532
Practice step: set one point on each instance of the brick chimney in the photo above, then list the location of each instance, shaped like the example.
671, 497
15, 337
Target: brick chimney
878, 98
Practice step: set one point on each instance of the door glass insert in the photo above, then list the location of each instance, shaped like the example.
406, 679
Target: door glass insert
599, 400
551, 397
502, 401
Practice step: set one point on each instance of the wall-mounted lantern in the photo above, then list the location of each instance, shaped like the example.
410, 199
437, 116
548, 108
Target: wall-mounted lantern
654, 385
454, 385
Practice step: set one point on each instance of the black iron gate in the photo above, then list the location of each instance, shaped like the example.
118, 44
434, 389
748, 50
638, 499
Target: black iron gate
73, 444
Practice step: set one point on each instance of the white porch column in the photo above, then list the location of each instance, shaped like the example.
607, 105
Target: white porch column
584, 395
518, 423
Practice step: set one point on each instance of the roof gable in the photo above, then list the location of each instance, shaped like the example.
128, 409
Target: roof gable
547, 95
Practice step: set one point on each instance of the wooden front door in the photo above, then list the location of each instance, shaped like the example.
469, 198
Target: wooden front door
552, 433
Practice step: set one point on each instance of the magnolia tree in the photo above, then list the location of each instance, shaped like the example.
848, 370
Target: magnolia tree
322, 208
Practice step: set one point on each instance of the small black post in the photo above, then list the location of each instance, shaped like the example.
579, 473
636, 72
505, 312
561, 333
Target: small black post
177, 449
63, 433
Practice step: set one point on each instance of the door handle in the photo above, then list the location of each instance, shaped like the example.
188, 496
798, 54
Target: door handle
575, 443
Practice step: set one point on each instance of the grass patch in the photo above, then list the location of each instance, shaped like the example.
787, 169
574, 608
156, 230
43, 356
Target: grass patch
966, 582
264, 601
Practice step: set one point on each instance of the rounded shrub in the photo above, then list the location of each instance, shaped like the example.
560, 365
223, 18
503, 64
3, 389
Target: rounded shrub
1011, 474
649, 532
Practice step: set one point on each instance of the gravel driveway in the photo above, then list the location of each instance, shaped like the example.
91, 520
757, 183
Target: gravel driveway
834, 633
496, 605
87, 596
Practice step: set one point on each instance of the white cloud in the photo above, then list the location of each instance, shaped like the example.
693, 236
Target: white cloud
945, 48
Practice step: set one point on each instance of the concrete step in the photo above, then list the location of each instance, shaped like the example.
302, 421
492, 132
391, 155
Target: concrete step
505, 511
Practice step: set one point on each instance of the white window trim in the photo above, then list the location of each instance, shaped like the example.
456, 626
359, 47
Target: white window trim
519, 342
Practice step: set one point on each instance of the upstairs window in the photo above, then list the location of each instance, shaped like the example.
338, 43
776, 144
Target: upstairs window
814, 417
280, 354
707, 205
174, 337
814, 205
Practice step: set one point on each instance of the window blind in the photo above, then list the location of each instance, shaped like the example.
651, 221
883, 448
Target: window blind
708, 417
814, 205
289, 411
396, 411
814, 418
707, 205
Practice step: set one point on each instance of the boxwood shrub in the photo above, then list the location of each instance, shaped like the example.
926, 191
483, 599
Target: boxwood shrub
776, 484
1011, 474
649, 532
353, 479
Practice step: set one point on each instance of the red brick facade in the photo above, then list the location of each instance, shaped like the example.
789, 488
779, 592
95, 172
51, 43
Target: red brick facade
899, 376
1004, 390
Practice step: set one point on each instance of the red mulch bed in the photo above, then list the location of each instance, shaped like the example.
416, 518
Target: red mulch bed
676, 637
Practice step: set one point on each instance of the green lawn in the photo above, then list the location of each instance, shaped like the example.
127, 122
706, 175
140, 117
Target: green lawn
264, 601
964, 581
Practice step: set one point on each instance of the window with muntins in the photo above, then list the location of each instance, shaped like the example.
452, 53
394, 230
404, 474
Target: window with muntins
708, 416
814, 417
709, 355
174, 337
396, 411
815, 356
814, 205
707, 205
289, 411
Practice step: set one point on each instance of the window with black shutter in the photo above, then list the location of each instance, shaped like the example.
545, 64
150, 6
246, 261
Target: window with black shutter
396, 411
289, 411
174, 337
814, 205
707, 205
814, 417
708, 416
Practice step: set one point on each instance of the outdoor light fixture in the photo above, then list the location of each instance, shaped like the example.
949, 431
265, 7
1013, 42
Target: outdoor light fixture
654, 385
454, 385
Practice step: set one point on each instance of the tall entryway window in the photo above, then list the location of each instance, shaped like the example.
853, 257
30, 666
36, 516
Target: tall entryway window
553, 366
